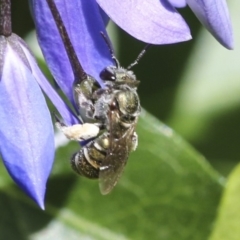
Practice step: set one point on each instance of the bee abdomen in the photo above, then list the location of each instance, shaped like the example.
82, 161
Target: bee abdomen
87, 161
82, 166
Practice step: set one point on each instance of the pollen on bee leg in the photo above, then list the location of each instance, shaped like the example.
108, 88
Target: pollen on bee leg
79, 132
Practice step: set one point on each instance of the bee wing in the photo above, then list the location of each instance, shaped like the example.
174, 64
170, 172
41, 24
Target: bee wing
113, 165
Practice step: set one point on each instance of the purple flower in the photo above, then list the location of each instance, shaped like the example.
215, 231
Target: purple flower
152, 20
84, 20
214, 15
26, 131
84, 24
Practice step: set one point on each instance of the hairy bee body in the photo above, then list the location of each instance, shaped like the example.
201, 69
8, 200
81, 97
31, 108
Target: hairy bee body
109, 119
122, 111
107, 116
87, 161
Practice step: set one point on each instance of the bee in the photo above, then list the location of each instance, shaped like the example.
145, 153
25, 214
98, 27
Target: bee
118, 107
109, 115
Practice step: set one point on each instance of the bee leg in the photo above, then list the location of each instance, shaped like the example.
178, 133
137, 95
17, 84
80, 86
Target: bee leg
78, 132
83, 96
85, 105
134, 142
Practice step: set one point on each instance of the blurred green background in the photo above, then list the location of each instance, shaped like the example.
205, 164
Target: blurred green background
168, 190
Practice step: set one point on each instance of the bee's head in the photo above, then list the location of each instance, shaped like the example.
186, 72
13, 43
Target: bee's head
119, 76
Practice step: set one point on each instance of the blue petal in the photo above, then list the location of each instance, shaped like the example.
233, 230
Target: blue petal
84, 24
152, 21
214, 15
26, 131
105, 17
178, 3
66, 113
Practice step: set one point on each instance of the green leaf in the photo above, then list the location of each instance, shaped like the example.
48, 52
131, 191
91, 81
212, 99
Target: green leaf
228, 220
210, 85
168, 191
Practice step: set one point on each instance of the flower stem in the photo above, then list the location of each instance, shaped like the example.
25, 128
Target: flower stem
5, 18
77, 68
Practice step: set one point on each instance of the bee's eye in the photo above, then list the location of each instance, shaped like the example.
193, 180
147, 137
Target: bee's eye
107, 74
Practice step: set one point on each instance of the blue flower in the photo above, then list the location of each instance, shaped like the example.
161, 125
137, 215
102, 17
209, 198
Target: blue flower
26, 131
214, 15
84, 24
152, 21
143, 18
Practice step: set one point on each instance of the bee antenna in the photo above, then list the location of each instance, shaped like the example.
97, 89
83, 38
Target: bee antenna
110, 48
139, 56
